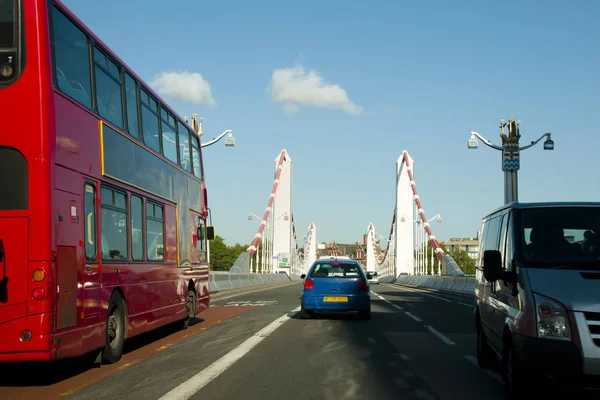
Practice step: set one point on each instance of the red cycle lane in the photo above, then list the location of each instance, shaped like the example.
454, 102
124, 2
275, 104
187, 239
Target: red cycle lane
60, 379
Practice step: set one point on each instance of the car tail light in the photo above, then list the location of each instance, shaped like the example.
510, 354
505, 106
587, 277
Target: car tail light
309, 284
362, 285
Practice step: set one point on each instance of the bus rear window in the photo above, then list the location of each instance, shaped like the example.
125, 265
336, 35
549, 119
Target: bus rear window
7, 24
13, 180
10, 18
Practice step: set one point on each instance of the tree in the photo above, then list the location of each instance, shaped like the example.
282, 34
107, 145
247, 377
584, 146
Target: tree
462, 258
222, 256
219, 254
464, 261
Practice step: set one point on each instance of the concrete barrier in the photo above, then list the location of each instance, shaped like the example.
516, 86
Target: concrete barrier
458, 284
221, 281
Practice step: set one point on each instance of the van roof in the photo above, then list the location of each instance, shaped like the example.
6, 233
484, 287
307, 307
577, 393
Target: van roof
520, 206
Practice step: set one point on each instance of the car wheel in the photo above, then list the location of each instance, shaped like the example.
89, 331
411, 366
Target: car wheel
308, 314
364, 314
485, 354
512, 373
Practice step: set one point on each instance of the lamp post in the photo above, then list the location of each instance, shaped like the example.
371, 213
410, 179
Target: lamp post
510, 154
439, 220
197, 126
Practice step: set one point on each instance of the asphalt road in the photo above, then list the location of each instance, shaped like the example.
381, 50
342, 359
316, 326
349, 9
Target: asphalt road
418, 345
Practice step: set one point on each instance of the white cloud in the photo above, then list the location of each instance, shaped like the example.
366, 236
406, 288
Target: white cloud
295, 86
290, 108
184, 86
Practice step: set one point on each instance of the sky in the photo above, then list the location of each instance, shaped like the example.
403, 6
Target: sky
345, 87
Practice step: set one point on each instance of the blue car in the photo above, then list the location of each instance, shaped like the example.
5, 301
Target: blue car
336, 285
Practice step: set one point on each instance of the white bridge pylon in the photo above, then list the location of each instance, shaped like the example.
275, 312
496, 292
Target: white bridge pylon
274, 247
398, 257
310, 251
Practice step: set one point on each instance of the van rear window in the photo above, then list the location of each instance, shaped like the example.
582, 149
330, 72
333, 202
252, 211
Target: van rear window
336, 270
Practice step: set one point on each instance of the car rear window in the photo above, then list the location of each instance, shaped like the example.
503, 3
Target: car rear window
336, 270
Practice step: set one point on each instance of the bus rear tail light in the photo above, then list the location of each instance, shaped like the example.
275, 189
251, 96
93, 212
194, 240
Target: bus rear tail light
38, 293
38, 275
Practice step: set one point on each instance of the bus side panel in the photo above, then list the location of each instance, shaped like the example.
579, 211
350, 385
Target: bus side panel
77, 136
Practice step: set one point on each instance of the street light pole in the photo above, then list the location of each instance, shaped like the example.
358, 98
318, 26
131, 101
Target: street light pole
197, 127
510, 154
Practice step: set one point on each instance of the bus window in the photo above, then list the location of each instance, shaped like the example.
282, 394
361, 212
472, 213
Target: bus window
114, 224
89, 210
197, 163
184, 148
108, 88
150, 121
169, 139
154, 232
137, 233
202, 239
71, 59
132, 105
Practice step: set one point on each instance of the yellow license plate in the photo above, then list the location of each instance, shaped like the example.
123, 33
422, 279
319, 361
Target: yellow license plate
335, 299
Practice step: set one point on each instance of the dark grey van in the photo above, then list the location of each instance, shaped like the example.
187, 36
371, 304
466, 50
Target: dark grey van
538, 294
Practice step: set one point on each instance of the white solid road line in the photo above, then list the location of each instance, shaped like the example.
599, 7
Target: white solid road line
440, 335
466, 304
190, 387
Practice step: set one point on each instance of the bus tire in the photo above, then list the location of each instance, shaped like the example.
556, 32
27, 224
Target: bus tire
115, 330
190, 308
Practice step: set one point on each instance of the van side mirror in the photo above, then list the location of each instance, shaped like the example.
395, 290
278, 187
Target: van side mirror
492, 266
302, 276
210, 232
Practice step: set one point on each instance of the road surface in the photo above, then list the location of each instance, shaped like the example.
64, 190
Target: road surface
256, 346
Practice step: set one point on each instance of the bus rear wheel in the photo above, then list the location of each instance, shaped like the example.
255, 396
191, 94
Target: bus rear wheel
115, 330
190, 307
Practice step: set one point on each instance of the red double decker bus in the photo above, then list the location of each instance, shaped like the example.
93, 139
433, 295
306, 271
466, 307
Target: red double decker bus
103, 208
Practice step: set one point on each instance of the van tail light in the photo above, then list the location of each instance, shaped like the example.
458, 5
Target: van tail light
363, 285
309, 284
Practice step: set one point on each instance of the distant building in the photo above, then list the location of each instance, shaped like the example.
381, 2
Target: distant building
470, 245
355, 251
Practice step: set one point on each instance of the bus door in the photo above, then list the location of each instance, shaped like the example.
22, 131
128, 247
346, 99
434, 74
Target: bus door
197, 229
91, 276
68, 253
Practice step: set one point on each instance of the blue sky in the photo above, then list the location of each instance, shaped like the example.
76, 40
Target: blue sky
415, 76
